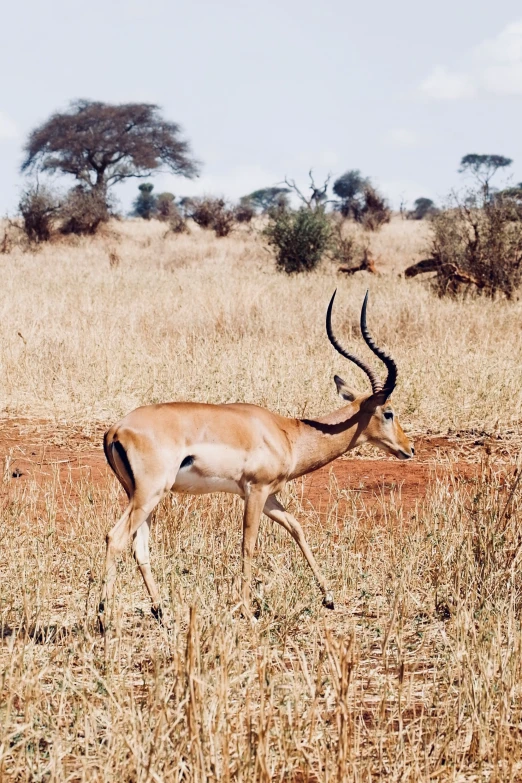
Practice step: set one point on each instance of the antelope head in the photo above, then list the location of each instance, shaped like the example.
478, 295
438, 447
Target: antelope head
379, 423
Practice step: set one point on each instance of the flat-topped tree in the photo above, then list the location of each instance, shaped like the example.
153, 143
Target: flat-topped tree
100, 144
483, 167
349, 188
266, 199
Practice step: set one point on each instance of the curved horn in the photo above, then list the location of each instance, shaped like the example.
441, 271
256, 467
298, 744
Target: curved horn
387, 360
376, 385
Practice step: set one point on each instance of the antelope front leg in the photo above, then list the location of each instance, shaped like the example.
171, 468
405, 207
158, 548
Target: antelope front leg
254, 502
274, 510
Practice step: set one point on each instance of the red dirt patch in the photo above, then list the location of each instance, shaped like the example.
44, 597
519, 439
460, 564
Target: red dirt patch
378, 478
42, 451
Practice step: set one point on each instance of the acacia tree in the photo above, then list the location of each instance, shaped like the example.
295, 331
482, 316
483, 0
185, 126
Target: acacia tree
266, 199
349, 188
101, 144
483, 168
422, 207
360, 200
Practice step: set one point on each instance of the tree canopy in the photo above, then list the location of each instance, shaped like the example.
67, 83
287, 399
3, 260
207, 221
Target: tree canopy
267, 198
349, 185
101, 144
483, 167
422, 207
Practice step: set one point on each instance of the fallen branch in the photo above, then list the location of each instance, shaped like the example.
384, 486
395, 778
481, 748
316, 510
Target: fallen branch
426, 265
367, 265
452, 275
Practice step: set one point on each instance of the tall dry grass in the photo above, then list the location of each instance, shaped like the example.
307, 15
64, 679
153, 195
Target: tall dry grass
416, 676
197, 318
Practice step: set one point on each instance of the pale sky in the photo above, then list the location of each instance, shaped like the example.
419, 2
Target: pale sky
265, 89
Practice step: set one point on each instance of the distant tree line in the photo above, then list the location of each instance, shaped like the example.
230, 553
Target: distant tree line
476, 240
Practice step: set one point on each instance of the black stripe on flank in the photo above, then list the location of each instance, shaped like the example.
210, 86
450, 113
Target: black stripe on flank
122, 454
187, 462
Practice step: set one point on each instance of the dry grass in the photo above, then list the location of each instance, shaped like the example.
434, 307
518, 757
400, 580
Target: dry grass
417, 675
199, 318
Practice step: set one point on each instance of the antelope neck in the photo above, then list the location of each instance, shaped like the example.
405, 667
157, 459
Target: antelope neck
324, 439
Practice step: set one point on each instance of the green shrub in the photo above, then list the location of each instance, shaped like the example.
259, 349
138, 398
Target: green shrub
299, 239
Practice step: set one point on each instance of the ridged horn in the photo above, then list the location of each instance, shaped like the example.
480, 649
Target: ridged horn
386, 359
376, 385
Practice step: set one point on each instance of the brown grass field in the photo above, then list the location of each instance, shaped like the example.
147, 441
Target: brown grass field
417, 673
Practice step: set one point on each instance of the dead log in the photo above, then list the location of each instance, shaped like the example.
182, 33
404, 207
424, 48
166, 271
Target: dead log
426, 265
452, 275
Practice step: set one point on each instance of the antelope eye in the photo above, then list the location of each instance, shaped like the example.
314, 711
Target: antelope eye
388, 415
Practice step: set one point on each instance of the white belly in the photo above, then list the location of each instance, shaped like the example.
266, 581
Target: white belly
193, 483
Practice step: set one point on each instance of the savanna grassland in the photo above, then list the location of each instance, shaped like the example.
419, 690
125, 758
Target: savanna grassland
416, 675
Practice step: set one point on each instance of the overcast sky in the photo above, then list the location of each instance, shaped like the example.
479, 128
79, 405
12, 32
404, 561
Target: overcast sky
271, 88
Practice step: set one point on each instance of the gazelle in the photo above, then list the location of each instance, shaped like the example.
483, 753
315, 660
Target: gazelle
197, 448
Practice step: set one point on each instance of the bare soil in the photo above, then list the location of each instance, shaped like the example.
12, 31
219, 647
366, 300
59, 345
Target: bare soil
40, 451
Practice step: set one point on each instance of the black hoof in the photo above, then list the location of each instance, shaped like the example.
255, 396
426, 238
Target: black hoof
157, 613
328, 601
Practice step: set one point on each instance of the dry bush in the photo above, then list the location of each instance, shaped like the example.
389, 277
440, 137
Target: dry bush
245, 211
167, 211
213, 213
6, 243
39, 207
477, 245
83, 211
346, 247
375, 211
44, 213
165, 206
223, 222
361, 201
13, 236
177, 223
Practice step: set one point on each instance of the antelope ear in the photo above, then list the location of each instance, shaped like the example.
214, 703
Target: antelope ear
343, 391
